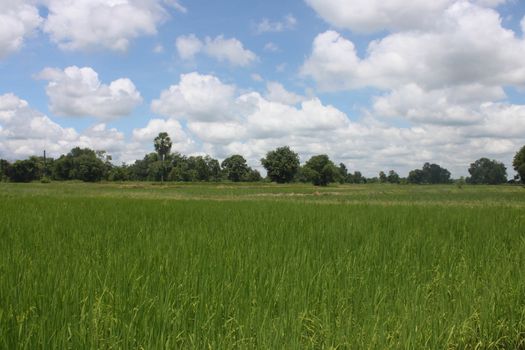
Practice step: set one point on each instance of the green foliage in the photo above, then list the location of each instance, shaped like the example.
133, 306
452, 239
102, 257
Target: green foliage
80, 164
281, 164
430, 174
382, 177
393, 177
5, 170
320, 170
252, 176
519, 163
26, 170
486, 171
162, 144
235, 168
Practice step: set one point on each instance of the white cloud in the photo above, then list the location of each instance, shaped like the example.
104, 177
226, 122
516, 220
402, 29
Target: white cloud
18, 20
256, 77
188, 46
197, 97
180, 140
370, 16
219, 48
461, 51
92, 24
265, 25
277, 93
78, 92
250, 124
271, 47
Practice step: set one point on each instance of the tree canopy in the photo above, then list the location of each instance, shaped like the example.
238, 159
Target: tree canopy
486, 171
281, 164
320, 170
519, 164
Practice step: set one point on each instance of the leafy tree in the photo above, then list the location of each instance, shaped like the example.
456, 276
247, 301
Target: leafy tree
235, 168
139, 170
435, 174
416, 176
358, 178
5, 169
214, 168
430, 174
320, 170
382, 177
393, 177
26, 170
120, 173
162, 144
519, 163
80, 164
343, 174
486, 171
252, 176
281, 164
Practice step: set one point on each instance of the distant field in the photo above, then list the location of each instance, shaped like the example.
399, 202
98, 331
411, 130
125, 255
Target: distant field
224, 266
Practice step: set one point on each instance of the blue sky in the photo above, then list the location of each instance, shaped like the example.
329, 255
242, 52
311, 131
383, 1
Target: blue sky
377, 85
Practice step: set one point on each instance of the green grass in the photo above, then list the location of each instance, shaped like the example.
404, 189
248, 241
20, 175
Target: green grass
261, 266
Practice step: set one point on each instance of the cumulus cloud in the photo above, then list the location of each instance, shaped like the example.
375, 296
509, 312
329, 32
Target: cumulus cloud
92, 24
462, 51
251, 124
78, 91
231, 50
18, 20
370, 16
265, 25
26, 132
276, 92
197, 97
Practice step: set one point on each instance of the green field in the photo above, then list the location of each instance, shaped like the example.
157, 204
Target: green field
223, 266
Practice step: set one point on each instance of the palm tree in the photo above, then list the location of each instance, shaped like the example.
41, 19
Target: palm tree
162, 145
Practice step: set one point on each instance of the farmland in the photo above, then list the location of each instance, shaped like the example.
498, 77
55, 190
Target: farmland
222, 266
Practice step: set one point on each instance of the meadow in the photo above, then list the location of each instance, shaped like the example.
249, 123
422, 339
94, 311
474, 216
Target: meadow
261, 266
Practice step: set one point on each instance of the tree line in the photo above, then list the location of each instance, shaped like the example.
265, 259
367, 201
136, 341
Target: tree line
282, 166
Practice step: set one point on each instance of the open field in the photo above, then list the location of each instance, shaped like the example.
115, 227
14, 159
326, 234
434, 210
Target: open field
225, 266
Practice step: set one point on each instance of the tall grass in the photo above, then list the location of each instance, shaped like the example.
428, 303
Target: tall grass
79, 272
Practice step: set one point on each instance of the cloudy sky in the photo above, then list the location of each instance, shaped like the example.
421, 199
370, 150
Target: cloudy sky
376, 84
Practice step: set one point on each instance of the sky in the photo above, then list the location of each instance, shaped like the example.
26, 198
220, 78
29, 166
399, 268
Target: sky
375, 84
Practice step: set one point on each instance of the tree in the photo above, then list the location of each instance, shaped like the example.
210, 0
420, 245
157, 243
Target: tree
486, 171
25, 170
281, 164
5, 169
382, 177
80, 164
320, 170
435, 174
393, 177
358, 178
252, 176
430, 174
162, 144
343, 174
519, 164
235, 168
416, 176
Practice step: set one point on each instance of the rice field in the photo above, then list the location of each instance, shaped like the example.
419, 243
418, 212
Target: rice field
261, 266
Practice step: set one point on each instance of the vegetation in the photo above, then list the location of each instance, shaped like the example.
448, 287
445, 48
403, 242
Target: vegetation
519, 164
144, 266
429, 174
320, 170
486, 171
281, 164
